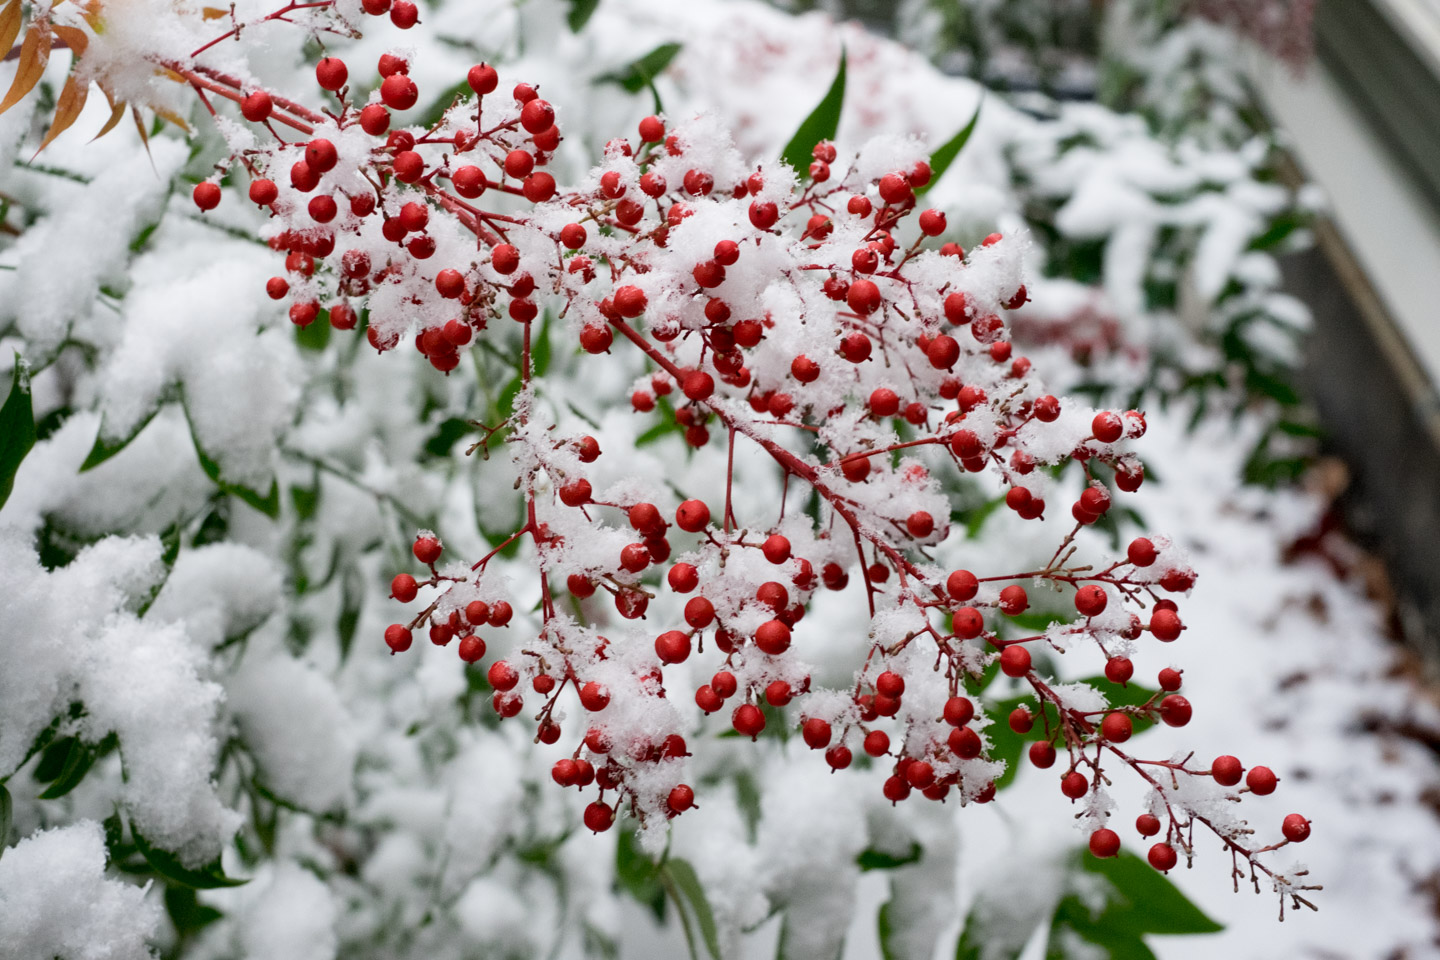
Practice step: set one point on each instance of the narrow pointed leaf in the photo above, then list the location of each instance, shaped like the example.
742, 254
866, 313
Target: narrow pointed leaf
579, 15
17, 429
209, 877
107, 447
10, 21
77, 763
822, 123
638, 74
72, 101
117, 111
34, 55
941, 159
682, 875
6, 813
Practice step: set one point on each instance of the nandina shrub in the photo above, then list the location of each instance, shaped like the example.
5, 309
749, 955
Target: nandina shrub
813, 321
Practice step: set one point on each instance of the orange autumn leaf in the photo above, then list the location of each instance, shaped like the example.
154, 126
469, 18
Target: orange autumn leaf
9, 25
34, 55
117, 110
72, 101
213, 13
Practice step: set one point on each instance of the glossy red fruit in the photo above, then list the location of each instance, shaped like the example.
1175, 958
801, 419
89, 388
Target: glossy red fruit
1116, 727
398, 638
817, 733
1074, 785
1226, 770
1295, 828
594, 697
747, 720
1162, 857
1104, 843
1015, 661
427, 550
1147, 825
1175, 710
599, 817
1042, 754
1261, 781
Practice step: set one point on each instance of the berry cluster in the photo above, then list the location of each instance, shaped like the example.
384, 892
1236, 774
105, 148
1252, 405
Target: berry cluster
819, 318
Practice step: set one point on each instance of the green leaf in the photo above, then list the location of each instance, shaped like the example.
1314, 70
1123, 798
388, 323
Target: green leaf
170, 540
974, 519
432, 114
446, 435
682, 877
872, 859
209, 877
352, 595
1037, 622
314, 336
77, 763
7, 813
54, 759
638, 74
540, 349
186, 912
941, 159
637, 875
885, 928
17, 428
822, 123
579, 15
1143, 900
269, 504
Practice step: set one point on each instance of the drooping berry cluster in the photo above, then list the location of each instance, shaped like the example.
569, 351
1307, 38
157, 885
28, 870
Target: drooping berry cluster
774, 310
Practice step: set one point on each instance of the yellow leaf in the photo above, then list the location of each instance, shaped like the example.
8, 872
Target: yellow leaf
72, 101
117, 110
173, 117
9, 25
34, 54
213, 13
74, 38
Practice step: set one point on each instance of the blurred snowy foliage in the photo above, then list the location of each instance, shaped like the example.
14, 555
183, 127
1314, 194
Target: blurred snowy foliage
194, 554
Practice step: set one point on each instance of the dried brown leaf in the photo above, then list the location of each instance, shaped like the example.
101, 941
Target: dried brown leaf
117, 110
9, 25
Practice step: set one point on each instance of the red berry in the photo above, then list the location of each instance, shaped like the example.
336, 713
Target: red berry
594, 697
1170, 680
536, 116
1021, 720
206, 195
477, 612
652, 130
707, 699
502, 676
331, 73
747, 720
427, 550
1104, 843
1295, 828
263, 192
778, 693
398, 637
896, 789
599, 817
1013, 600
920, 774
920, 524
816, 732
500, 613
256, 107
962, 585
472, 649
1147, 825
1015, 661
482, 79
403, 587
863, 297
1074, 785
968, 623
1165, 624
1107, 427
404, 14
773, 637
1119, 669
1162, 857
469, 182
681, 798
959, 711
1261, 781
1226, 770
1141, 552
1090, 600
672, 646
1175, 710
776, 548
683, 578
1116, 727
724, 684
965, 743
399, 92
877, 743
699, 613
932, 223
1042, 754
838, 757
